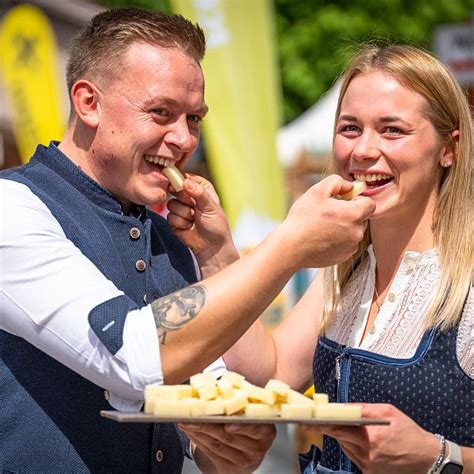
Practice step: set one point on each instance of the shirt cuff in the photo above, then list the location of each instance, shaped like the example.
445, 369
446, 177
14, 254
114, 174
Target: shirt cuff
141, 351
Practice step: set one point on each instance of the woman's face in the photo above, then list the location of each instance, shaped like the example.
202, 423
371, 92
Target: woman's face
383, 137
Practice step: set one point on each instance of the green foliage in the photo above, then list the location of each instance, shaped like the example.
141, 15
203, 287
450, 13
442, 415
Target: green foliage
160, 5
315, 38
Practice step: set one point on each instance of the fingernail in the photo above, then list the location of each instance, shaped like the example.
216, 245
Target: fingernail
232, 428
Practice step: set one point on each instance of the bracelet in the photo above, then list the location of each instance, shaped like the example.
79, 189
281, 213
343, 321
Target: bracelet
442, 454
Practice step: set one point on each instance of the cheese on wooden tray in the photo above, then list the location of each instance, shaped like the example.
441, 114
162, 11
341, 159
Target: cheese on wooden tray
233, 395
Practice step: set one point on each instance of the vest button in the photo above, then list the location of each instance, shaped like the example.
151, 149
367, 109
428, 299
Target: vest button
391, 297
159, 455
134, 233
140, 265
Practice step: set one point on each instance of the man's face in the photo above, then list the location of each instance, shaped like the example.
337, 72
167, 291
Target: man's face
149, 116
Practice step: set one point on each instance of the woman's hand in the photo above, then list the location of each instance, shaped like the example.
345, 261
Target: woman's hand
229, 448
402, 446
198, 220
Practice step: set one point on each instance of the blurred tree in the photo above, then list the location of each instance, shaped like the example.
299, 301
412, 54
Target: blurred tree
160, 5
316, 37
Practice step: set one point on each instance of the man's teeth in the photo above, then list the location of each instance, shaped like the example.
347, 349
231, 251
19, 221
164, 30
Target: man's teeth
157, 161
372, 177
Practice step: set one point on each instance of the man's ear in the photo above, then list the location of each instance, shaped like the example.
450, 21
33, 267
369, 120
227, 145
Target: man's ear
84, 96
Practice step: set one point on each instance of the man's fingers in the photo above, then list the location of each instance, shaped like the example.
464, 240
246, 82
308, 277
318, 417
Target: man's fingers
205, 184
205, 201
365, 205
179, 209
216, 443
332, 186
252, 431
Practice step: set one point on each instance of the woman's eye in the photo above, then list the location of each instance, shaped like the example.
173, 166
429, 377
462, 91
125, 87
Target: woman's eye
349, 128
393, 130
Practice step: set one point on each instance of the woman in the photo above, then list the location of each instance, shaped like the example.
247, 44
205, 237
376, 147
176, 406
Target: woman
394, 324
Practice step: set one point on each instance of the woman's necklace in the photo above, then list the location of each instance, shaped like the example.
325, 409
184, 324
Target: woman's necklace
377, 299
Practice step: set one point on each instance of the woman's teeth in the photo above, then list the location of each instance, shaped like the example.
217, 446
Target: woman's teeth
157, 161
373, 179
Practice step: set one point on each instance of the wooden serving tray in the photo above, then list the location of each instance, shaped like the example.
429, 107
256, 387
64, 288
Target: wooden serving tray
140, 417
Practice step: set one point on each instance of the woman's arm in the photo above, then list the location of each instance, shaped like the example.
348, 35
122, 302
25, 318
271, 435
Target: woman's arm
286, 352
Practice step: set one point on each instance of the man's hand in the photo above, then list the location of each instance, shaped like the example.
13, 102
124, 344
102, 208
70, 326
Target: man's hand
323, 230
230, 448
198, 220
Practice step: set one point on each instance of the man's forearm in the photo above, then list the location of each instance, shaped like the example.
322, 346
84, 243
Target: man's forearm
199, 323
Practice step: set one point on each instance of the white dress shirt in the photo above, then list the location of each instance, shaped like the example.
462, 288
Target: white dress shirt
47, 290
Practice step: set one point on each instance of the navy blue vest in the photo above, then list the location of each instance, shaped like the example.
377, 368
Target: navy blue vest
430, 387
49, 415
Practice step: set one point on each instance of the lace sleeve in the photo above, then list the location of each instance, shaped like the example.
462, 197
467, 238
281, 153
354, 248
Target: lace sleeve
465, 341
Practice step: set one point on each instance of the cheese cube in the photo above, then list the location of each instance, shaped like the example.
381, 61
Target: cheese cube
208, 392
237, 402
296, 397
149, 405
359, 187
197, 407
338, 411
225, 388
214, 407
199, 380
321, 397
260, 410
235, 379
259, 394
165, 392
171, 408
280, 388
296, 410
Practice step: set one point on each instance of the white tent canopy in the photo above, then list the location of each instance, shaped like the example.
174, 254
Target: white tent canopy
312, 131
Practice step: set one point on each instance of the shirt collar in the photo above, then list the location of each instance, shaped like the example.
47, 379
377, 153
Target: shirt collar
55, 159
410, 258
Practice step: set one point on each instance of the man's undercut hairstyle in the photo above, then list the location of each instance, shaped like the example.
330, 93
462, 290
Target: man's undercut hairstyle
98, 48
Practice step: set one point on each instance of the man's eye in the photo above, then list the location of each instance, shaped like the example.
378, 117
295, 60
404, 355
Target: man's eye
161, 112
393, 130
194, 118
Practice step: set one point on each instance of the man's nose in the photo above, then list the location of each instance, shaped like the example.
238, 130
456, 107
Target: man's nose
180, 136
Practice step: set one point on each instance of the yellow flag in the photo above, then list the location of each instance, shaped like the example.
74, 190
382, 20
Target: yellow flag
243, 94
28, 62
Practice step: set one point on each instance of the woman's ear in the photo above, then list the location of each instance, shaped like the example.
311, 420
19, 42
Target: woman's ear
84, 96
451, 151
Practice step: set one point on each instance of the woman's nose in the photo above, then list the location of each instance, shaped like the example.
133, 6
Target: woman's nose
367, 147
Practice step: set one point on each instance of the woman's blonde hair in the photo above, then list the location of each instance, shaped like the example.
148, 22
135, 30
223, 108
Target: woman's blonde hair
448, 110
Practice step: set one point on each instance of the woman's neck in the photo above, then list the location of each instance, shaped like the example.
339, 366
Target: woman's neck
392, 238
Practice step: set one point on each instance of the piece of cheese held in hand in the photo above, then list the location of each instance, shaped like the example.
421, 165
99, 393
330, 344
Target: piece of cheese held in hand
175, 177
359, 187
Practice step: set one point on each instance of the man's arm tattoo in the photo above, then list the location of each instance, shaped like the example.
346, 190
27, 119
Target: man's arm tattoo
173, 311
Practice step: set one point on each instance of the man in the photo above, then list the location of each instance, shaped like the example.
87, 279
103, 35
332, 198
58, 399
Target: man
98, 293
